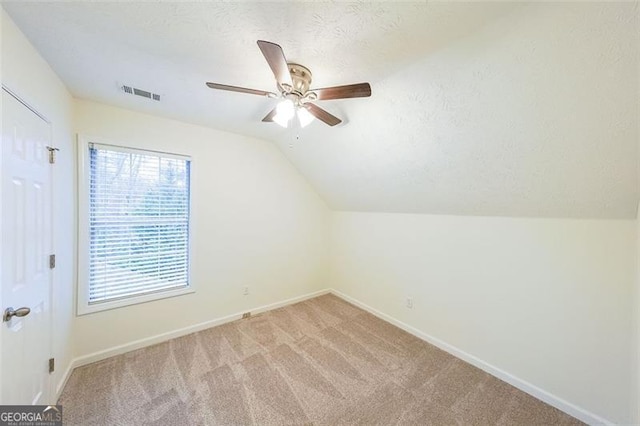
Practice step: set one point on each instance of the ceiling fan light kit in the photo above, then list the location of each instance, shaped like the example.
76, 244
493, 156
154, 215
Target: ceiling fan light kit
293, 82
304, 117
284, 112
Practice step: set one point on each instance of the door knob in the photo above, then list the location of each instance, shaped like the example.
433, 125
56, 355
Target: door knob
10, 313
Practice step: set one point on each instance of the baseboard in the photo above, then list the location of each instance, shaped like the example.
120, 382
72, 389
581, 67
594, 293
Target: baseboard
159, 338
547, 397
65, 377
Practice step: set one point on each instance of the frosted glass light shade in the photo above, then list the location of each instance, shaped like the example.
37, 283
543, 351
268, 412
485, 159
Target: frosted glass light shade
304, 117
284, 112
286, 109
281, 120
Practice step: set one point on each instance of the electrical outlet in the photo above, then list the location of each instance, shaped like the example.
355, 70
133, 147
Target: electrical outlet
245, 291
409, 303
246, 315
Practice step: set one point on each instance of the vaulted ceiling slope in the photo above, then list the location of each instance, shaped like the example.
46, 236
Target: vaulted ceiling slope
497, 108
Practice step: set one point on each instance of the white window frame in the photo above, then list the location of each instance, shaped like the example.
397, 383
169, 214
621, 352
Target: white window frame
83, 306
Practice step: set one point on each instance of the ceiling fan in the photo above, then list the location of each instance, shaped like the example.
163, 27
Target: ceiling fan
293, 81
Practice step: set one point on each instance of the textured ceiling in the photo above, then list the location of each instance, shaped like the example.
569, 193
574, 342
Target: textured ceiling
497, 108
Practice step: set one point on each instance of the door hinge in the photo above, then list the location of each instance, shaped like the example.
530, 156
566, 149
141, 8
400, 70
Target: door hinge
52, 154
52, 365
52, 261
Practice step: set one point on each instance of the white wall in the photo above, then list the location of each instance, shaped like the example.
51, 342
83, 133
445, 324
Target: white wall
256, 223
25, 73
635, 377
545, 300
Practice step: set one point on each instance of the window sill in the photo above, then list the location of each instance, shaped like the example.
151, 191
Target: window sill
85, 308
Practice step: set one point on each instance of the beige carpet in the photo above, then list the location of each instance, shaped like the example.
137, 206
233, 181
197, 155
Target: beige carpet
322, 361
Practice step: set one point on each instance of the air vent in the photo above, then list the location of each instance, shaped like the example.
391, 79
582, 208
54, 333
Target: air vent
139, 92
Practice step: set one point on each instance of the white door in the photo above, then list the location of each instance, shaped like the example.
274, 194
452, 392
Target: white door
25, 222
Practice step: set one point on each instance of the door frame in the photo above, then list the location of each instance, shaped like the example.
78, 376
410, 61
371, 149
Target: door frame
51, 391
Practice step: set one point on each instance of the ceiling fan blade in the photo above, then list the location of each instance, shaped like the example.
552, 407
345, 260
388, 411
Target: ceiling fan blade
275, 58
269, 117
322, 115
360, 90
241, 90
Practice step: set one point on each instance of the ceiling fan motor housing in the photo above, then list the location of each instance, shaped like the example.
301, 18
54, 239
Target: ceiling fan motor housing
301, 77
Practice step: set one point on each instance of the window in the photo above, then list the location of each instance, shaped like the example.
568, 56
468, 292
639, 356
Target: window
134, 218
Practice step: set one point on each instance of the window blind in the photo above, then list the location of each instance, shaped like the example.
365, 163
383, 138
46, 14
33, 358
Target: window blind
139, 223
